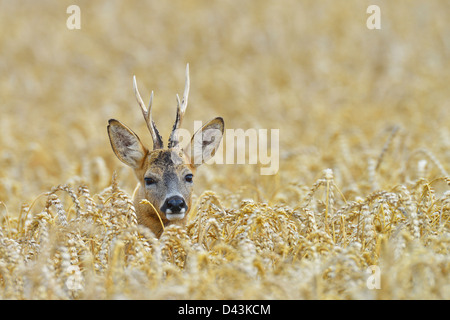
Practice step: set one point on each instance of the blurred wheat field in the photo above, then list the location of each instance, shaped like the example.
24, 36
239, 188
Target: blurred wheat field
364, 149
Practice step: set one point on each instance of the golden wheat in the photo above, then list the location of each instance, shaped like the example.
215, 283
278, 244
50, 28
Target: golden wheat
256, 250
363, 182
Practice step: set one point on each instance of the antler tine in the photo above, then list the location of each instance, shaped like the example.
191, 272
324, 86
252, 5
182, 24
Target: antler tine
181, 109
184, 102
147, 113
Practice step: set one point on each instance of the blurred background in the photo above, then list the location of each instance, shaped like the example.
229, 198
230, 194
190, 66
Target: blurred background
312, 69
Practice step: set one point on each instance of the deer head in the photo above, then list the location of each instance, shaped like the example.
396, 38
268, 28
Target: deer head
165, 176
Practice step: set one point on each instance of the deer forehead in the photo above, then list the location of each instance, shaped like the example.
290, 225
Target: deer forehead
166, 162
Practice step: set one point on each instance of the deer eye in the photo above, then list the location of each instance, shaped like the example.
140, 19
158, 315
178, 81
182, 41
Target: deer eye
188, 177
149, 181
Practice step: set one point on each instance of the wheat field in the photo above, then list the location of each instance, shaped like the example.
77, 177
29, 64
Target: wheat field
359, 207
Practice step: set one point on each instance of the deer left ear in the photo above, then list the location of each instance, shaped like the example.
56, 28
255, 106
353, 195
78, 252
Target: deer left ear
205, 142
126, 144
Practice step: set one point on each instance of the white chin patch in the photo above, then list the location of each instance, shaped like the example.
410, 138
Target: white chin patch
175, 216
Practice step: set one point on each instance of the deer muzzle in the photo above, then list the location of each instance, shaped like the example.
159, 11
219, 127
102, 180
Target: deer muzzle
174, 207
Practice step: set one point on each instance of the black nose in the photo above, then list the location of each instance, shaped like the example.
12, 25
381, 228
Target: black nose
175, 204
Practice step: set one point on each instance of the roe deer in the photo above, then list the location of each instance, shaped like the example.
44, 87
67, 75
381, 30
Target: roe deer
165, 176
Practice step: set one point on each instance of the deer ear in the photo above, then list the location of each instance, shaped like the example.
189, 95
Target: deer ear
126, 144
205, 142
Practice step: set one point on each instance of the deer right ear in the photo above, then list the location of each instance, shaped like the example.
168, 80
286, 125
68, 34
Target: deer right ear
205, 142
126, 144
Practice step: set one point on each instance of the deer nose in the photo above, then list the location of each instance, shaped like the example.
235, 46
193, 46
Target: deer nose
174, 204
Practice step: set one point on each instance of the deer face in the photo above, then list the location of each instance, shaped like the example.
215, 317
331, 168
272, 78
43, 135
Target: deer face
165, 176
168, 183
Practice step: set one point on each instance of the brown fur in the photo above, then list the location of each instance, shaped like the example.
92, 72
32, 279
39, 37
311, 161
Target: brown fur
167, 166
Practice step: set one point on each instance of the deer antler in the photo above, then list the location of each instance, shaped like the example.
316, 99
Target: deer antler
147, 113
181, 109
